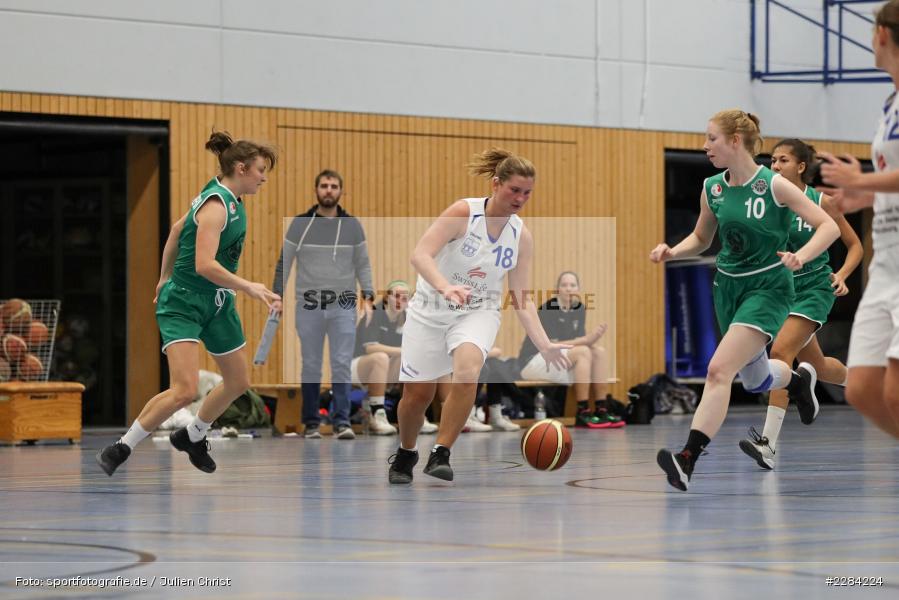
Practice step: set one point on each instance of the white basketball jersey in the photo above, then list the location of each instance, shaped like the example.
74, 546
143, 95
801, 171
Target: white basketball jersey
474, 260
885, 153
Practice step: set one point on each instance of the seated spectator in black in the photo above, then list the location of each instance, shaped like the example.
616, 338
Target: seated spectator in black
496, 376
564, 319
376, 361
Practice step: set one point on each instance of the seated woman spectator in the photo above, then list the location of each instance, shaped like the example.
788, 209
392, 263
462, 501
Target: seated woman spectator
564, 319
376, 361
498, 377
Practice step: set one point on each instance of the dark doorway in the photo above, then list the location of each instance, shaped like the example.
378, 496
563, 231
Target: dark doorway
64, 235
685, 172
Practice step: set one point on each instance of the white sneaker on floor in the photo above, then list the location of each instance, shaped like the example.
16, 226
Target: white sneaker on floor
473, 425
427, 427
500, 422
379, 425
759, 449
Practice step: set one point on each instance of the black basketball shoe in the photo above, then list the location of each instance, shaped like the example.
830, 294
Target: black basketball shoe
401, 465
110, 457
438, 464
678, 467
197, 452
804, 395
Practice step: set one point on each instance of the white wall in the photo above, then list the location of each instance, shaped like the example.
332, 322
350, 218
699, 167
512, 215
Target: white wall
653, 64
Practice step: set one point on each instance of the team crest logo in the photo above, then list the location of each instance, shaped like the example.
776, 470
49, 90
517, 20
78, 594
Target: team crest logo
716, 189
477, 272
735, 240
760, 186
232, 207
470, 246
881, 162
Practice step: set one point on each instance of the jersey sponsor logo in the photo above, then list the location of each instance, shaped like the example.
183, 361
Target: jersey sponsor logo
470, 246
717, 190
232, 207
477, 272
465, 279
759, 186
881, 161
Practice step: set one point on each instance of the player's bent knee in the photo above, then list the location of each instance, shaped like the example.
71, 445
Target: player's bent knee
718, 376
598, 351
184, 396
380, 360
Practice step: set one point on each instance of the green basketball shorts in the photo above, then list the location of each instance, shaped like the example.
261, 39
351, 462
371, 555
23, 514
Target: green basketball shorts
209, 317
761, 301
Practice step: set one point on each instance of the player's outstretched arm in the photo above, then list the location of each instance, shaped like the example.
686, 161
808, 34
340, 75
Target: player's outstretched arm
694, 244
449, 225
210, 221
169, 254
826, 231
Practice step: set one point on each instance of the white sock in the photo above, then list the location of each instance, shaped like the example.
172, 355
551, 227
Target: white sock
413, 449
196, 431
773, 422
375, 403
496, 411
134, 435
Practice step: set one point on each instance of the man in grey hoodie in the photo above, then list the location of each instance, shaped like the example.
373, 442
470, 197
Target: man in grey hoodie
328, 245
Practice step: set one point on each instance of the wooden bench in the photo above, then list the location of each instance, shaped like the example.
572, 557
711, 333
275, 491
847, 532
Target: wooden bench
569, 412
289, 408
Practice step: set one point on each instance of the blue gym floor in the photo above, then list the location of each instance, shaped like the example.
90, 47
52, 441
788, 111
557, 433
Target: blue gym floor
291, 518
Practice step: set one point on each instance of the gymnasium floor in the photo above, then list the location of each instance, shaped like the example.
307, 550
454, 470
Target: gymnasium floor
289, 518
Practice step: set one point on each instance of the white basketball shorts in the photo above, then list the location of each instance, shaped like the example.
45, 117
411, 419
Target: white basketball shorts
875, 331
427, 347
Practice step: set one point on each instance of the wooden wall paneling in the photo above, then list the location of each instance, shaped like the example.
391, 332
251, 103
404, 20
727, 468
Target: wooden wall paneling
409, 169
143, 341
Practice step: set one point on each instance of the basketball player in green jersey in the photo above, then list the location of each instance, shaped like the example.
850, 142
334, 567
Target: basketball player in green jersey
816, 286
752, 208
195, 302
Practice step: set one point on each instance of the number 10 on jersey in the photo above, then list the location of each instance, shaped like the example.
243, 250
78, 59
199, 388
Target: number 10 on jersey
755, 207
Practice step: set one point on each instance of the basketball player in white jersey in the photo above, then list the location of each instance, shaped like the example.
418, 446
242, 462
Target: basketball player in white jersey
454, 316
873, 383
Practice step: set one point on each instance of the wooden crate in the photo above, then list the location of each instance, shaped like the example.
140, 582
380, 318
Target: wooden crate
40, 411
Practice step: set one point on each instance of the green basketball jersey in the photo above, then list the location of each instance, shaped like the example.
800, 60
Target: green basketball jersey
230, 242
801, 232
752, 225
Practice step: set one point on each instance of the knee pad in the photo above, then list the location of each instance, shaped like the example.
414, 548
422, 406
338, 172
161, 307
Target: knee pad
756, 375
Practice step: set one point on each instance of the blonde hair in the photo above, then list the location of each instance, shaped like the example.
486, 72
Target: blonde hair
501, 164
230, 152
736, 121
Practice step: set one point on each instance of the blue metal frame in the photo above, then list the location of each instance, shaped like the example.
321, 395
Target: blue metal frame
827, 74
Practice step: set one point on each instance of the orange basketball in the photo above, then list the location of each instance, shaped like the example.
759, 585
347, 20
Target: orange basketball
12, 348
546, 445
30, 368
5, 371
15, 315
38, 334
